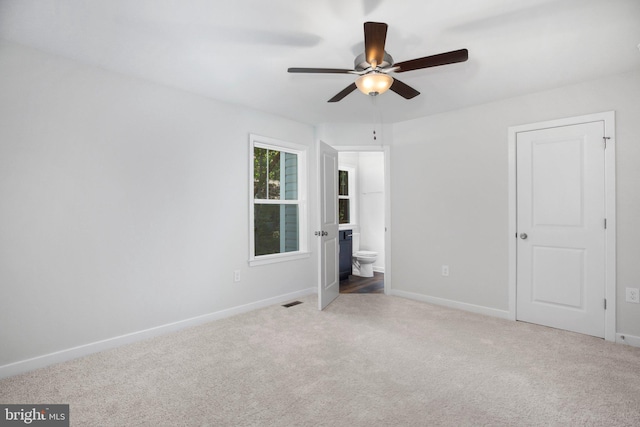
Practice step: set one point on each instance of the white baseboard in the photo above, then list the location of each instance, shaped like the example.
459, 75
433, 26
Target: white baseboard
27, 365
378, 269
487, 311
628, 339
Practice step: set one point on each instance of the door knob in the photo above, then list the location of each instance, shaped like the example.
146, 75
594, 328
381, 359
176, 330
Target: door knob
523, 236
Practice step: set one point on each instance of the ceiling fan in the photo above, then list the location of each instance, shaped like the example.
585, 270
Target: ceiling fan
374, 65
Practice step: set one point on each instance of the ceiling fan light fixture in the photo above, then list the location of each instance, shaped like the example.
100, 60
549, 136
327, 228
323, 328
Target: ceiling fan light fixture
374, 83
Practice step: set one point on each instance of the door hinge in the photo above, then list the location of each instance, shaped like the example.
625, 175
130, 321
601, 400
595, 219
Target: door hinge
605, 138
605, 303
605, 223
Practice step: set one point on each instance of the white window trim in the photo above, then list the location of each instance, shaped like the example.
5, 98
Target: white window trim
353, 204
301, 152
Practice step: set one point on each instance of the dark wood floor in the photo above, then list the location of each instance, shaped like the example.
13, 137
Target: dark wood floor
363, 285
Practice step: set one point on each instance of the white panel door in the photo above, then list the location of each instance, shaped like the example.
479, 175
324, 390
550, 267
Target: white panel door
329, 283
561, 229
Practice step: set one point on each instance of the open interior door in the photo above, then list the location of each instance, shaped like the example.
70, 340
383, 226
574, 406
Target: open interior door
328, 283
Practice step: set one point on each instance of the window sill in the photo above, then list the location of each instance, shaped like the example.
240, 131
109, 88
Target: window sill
272, 259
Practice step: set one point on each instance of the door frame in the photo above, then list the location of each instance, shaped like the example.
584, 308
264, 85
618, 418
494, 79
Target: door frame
608, 118
386, 150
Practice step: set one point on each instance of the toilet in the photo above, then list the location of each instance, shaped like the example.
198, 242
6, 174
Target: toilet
362, 260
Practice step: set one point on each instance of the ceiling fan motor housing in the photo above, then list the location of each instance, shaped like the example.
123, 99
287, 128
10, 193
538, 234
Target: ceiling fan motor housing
360, 63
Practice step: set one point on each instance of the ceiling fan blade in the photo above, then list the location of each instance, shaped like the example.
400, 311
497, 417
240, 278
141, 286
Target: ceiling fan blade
322, 70
432, 61
346, 91
404, 90
375, 35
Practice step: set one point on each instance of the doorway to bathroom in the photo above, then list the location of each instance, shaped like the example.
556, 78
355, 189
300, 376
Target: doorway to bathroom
363, 201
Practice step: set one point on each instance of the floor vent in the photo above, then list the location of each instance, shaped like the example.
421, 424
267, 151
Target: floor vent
291, 304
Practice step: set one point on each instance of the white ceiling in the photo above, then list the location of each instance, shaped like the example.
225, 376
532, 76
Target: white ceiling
239, 51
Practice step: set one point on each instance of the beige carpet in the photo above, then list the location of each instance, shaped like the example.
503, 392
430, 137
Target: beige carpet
368, 360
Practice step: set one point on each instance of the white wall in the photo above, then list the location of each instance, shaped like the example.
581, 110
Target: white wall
124, 206
450, 199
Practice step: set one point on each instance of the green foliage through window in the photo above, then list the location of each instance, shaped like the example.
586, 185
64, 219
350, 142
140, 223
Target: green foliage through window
344, 198
343, 183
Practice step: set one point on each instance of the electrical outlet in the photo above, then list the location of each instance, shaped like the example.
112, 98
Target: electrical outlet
633, 295
236, 276
445, 270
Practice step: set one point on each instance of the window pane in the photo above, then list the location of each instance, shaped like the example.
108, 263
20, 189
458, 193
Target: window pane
291, 176
276, 229
267, 229
343, 210
343, 183
267, 174
274, 174
260, 173
291, 228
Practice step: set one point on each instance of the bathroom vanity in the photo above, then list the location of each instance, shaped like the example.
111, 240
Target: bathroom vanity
346, 250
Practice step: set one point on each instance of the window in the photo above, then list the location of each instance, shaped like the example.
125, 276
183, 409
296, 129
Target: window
346, 195
278, 195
